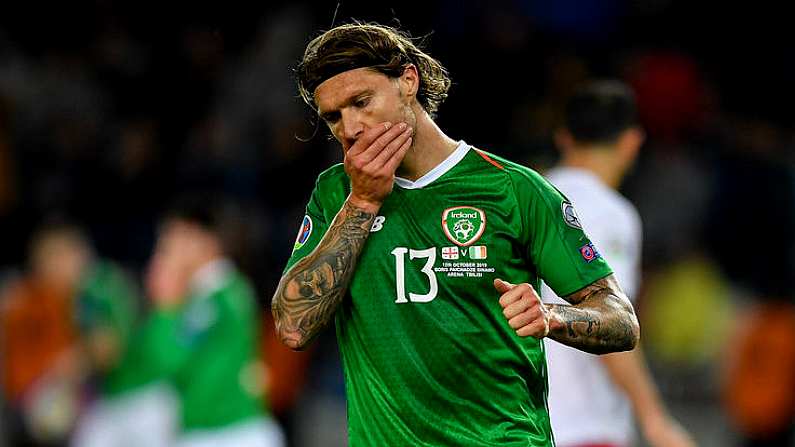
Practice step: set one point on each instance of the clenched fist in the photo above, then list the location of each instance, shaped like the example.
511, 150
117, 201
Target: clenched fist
523, 309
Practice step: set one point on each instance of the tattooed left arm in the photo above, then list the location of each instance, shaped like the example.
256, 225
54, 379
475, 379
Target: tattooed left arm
599, 320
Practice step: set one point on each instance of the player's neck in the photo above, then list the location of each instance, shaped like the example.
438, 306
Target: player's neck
430, 147
207, 261
599, 162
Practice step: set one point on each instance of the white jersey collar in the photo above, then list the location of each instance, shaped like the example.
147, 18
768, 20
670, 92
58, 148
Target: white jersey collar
458, 154
210, 277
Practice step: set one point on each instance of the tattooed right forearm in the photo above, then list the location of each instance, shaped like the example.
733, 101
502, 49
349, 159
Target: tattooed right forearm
310, 292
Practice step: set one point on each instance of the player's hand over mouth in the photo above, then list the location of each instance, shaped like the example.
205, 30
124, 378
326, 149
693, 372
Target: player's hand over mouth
371, 163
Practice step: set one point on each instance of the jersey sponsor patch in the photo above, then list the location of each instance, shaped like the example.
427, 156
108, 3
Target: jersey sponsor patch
588, 252
303, 233
570, 216
463, 225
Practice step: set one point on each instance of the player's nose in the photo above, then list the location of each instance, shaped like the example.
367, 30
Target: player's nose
352, 126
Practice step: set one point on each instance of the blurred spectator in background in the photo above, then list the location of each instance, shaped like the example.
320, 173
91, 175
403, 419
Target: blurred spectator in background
751, 236
599, 143
72, 312
218, 376
759, 388
39, 336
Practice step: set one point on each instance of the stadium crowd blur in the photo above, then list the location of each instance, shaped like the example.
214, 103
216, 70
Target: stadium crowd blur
108, 110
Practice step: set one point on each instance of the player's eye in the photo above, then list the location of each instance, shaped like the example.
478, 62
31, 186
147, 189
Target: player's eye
330, 118
362, 102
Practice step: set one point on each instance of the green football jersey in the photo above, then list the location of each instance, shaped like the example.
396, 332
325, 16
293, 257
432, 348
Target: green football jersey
151, 356
219, 379
107, 300
429, 358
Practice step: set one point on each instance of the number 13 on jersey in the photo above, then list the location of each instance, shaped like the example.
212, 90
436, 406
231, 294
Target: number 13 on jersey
400, 278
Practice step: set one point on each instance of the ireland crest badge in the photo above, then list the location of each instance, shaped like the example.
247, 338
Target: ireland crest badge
463, 225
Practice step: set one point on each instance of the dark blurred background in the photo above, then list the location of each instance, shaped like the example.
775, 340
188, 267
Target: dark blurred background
108, 110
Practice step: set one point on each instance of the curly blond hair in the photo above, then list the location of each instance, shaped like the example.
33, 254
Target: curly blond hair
378, 47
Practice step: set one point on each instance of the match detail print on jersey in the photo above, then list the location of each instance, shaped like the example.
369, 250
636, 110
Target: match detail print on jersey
463, 225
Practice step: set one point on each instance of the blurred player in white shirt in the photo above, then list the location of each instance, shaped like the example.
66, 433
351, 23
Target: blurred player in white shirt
598, 144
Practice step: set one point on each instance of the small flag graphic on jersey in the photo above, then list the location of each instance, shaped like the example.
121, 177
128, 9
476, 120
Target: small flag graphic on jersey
449, 252
477, 252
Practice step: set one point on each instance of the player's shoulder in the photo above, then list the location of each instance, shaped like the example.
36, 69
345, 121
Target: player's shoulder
105, 271
595, 201
237, 293
332, 179
331, 189
524, 178
582, 185
335, 173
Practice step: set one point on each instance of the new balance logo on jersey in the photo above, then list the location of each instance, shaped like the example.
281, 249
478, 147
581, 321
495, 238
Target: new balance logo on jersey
378, 223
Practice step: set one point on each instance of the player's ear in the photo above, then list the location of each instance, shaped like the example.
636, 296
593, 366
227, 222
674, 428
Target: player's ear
630, 142
563, 140
410, 80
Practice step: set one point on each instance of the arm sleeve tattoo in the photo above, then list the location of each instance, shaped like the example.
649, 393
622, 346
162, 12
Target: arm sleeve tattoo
599, 320
310, 292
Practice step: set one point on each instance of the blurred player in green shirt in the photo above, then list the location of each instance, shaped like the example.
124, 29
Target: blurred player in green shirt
138, 406
94, 307
427, 253
219, 377
133, 355
190, 375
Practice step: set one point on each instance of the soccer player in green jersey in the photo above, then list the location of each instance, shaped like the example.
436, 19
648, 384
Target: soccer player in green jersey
427, 253
218, 375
